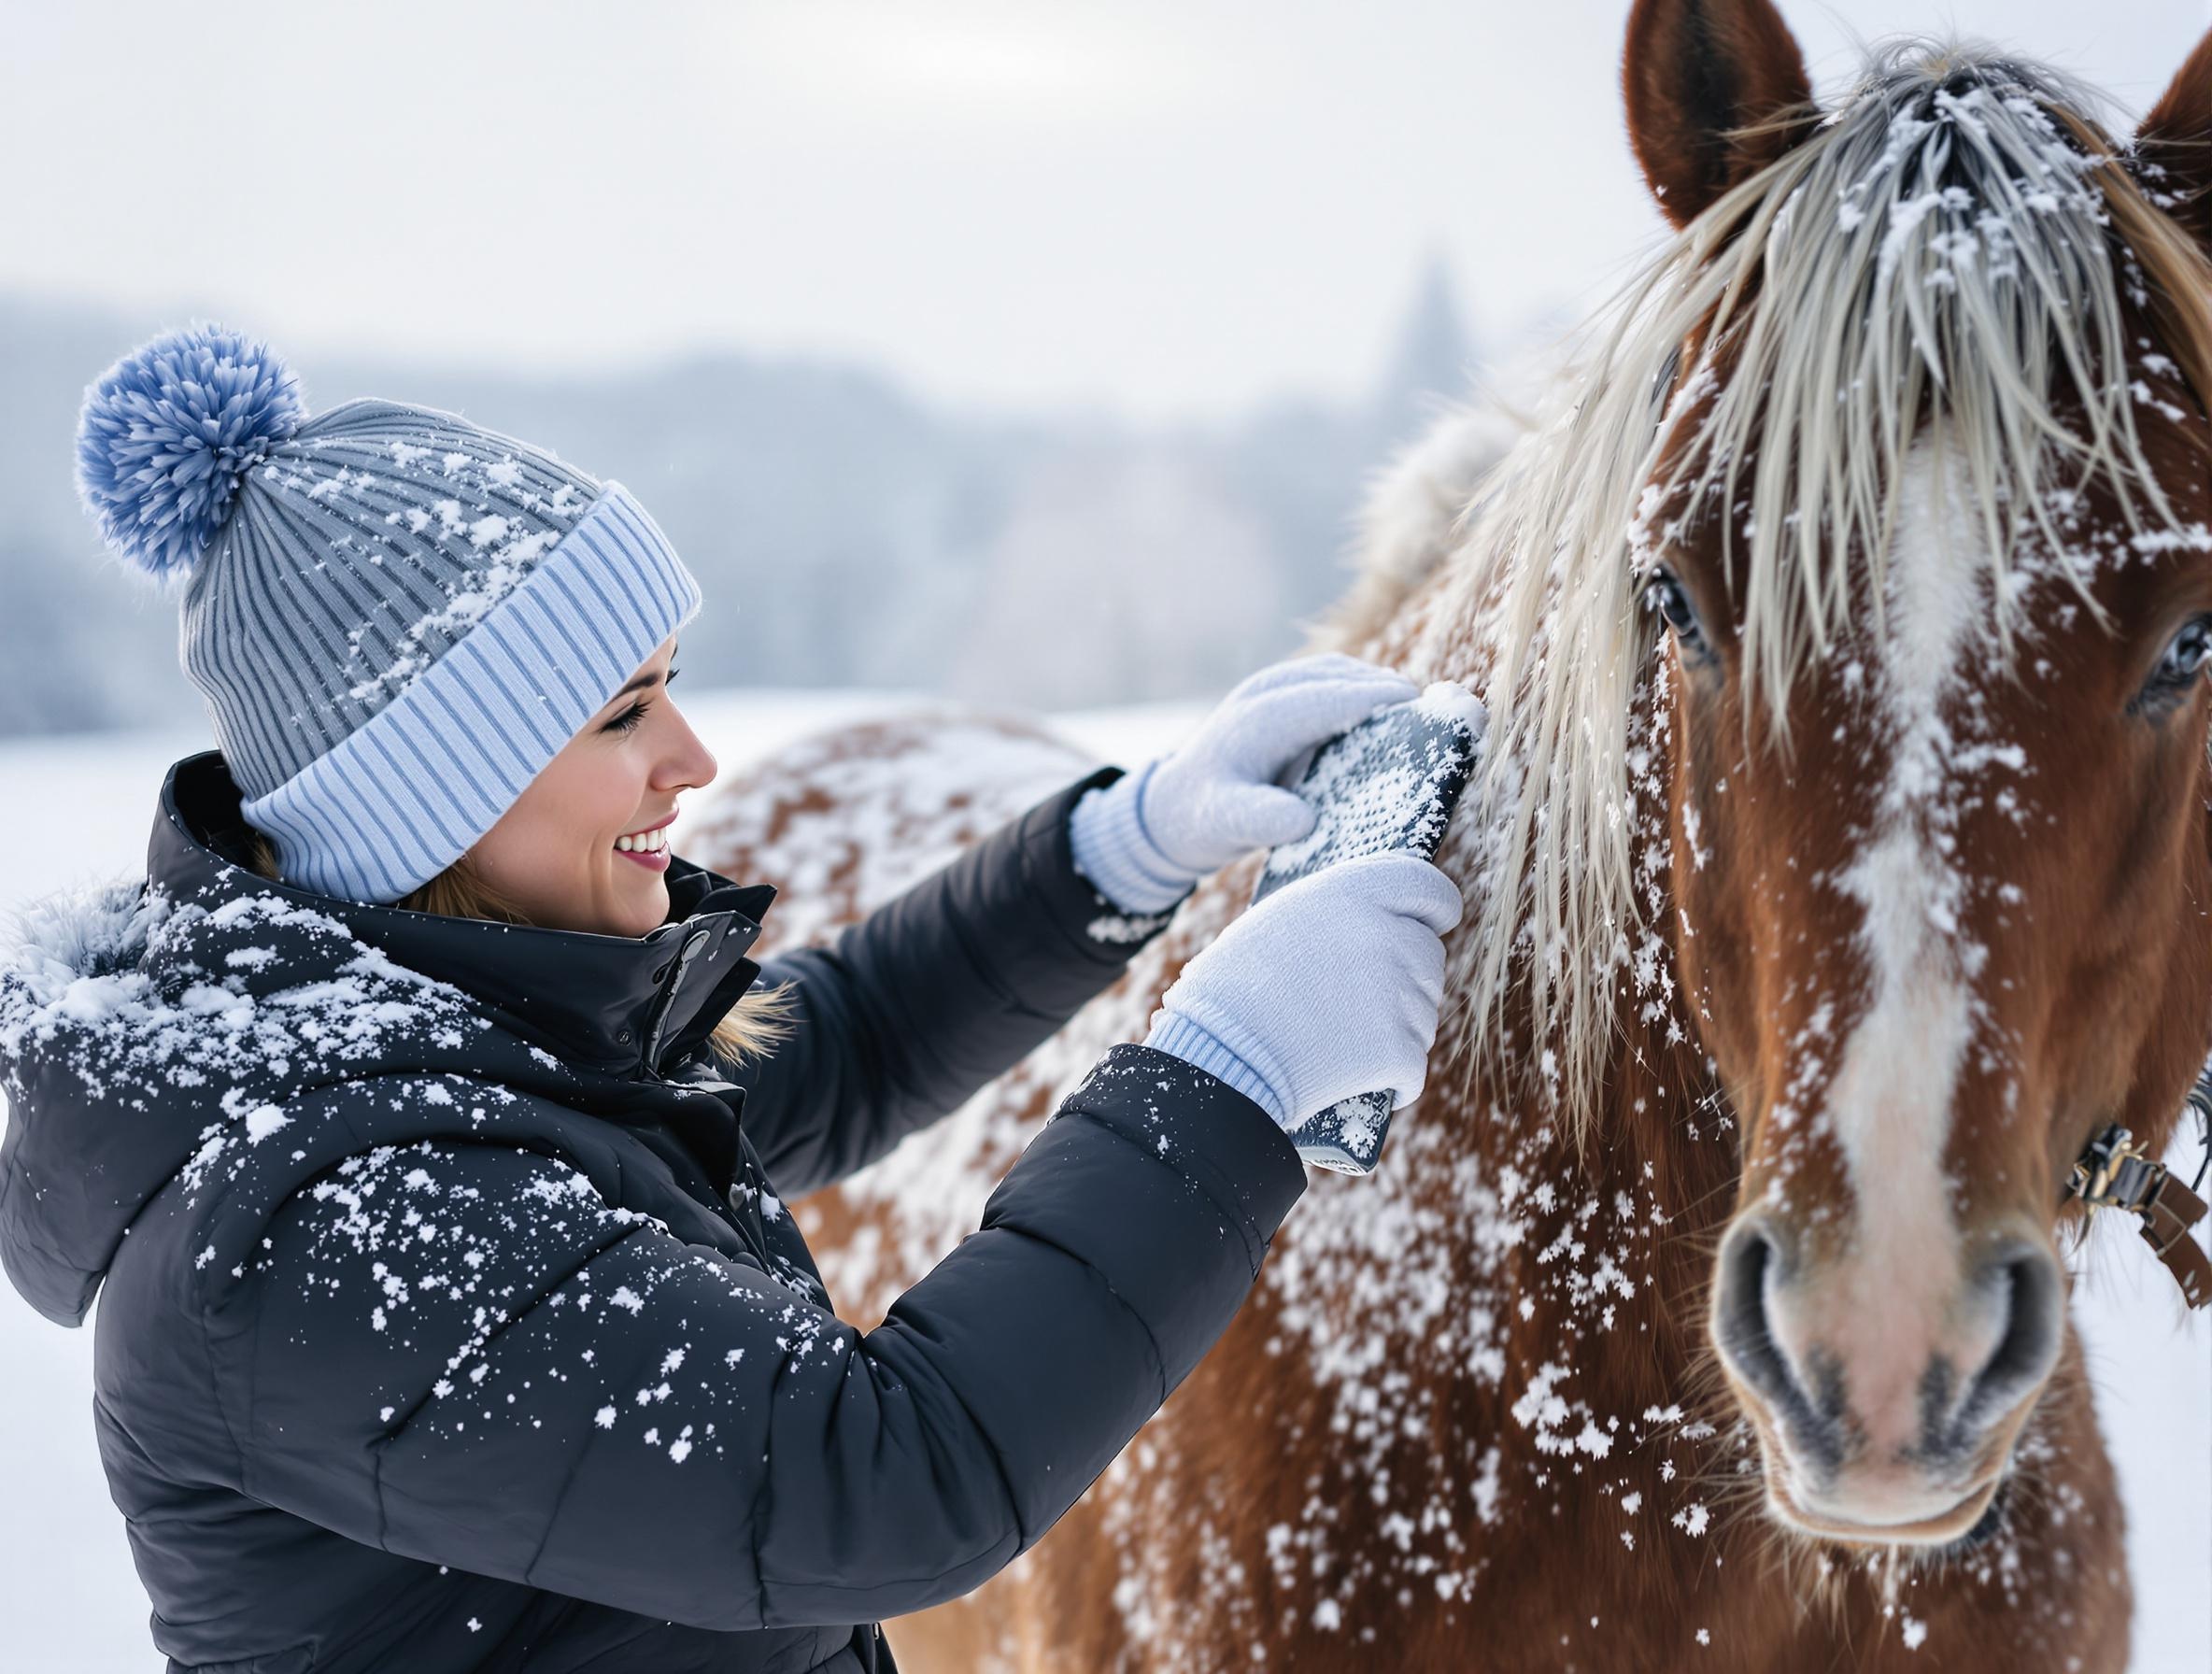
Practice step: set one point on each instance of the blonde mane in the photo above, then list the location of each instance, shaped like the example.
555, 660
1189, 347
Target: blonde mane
1948, 255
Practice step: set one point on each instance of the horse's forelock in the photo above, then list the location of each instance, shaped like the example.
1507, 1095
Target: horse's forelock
1958, 249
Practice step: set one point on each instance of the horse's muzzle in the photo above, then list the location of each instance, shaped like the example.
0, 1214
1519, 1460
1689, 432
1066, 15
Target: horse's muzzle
1888, 1395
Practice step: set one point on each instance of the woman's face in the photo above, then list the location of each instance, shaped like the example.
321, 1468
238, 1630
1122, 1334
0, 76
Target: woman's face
584, 845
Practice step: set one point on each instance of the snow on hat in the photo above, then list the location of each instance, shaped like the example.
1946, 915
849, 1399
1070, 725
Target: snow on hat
397, 619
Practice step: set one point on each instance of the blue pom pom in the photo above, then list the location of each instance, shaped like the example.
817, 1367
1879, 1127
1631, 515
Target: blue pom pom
168, 432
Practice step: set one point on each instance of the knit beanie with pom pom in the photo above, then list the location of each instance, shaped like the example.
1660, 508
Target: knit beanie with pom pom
397, 619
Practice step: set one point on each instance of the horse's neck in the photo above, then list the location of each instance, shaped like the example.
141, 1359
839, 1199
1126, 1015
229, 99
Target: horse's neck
1611, 1234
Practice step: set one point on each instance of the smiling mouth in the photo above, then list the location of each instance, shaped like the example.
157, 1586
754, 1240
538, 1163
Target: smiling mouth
648, 849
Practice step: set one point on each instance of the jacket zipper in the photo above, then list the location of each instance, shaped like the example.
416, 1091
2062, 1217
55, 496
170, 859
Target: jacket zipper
649, 1060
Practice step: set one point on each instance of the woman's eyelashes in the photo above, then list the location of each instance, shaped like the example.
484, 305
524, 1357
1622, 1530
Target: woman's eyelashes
627, 721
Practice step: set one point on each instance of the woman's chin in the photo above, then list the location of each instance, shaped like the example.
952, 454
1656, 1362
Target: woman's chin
630, 902
640, 909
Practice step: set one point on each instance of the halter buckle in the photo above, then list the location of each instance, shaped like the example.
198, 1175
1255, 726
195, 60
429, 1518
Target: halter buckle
2114, 1172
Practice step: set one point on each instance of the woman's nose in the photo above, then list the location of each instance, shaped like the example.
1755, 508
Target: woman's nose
688, 763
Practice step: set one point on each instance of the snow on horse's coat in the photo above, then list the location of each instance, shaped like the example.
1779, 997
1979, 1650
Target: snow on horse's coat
1840, 933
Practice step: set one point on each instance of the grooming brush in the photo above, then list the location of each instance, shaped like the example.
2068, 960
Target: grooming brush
1390, 784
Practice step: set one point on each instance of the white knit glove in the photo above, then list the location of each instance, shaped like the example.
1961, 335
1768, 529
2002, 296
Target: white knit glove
1145, 839
1326, 988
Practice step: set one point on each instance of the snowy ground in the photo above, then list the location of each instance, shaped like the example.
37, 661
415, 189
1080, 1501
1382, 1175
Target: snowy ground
81, 807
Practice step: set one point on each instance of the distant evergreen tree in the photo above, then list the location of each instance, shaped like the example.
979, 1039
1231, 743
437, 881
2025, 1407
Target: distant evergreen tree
1432, 362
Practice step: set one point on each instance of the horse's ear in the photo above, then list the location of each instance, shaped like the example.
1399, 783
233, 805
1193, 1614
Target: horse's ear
1716, 90
2173, 147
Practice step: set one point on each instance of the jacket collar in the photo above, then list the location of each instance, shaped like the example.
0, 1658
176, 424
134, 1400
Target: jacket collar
616, 1004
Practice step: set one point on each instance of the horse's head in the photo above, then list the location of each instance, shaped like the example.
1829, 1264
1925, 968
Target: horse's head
1927, 537
1886, 738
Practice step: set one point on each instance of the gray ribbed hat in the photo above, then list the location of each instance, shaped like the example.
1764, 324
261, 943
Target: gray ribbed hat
397, 618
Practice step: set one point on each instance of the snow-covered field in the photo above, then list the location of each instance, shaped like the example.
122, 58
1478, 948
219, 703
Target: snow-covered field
81, 807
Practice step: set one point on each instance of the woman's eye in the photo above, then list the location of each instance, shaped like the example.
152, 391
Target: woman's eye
628, 720
1664, 593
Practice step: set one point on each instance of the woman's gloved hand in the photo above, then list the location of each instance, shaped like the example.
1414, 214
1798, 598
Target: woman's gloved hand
1326, 988
1145, 839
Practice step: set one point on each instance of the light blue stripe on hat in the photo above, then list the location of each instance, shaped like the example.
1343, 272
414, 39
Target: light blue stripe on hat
399, 798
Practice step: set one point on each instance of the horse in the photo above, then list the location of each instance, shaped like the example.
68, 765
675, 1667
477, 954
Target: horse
1837, 868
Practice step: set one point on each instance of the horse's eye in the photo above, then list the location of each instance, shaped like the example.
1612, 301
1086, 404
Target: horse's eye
1664, 593
2189, 653
2185, 660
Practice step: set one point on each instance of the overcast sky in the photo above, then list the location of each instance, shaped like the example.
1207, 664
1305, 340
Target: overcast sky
1157, 206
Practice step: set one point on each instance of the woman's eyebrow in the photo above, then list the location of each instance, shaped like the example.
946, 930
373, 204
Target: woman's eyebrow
651, 677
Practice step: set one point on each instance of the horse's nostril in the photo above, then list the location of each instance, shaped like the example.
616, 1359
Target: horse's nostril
1741, 1328
1753, 1263
1740, 1311
2026, 1285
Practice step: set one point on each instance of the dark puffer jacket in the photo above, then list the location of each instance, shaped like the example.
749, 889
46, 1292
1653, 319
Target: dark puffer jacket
452, 1319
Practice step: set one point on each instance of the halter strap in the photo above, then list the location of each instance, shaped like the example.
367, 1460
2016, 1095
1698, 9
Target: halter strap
2114, 1173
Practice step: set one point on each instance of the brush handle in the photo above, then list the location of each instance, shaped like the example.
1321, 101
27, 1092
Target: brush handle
1347, 1137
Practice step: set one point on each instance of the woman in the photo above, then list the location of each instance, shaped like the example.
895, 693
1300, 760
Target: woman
451, 1317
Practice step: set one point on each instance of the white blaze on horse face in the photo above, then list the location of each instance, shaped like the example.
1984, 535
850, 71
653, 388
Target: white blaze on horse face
1890, 1104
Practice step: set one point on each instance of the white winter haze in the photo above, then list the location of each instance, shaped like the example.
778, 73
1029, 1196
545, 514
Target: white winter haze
1158, 207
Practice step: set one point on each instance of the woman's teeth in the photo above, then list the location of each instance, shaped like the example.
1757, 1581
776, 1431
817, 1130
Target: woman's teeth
644, 843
